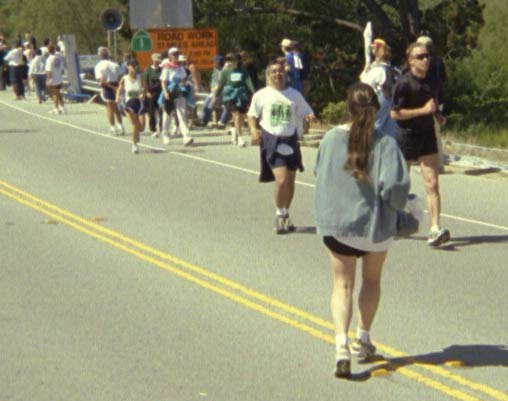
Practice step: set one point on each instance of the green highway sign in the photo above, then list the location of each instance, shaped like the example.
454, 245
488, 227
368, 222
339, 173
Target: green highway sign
141, 42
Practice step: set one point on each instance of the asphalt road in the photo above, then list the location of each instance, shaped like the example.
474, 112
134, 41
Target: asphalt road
158, 276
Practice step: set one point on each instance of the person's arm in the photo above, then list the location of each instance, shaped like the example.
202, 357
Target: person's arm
406, 114
120, 89
255, 133
144, 90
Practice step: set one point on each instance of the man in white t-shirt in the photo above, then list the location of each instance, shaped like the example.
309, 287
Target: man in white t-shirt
107, 73
54, 79
277, 110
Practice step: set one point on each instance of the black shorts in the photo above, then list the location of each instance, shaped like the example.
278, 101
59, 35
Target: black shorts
233, 106
290, 161
135, 106
414, 144
108, 94
342, 249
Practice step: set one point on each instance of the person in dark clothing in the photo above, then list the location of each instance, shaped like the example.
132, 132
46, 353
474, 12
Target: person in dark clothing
154, 89
413, 108
436, 77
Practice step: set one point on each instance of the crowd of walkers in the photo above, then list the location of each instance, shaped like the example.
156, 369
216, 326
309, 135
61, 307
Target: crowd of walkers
25, 66
362, 169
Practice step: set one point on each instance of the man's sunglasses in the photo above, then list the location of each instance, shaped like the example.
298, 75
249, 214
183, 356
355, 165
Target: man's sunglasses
422, 56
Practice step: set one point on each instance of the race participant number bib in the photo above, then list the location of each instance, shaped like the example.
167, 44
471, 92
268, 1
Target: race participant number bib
280, 114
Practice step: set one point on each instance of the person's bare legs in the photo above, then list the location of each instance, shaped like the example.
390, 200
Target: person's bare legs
429, 166
370, 292
341, 303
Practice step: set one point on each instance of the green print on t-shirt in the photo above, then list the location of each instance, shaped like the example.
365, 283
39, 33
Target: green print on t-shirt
280, 114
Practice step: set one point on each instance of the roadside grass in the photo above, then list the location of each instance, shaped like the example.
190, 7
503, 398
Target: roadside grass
479, 135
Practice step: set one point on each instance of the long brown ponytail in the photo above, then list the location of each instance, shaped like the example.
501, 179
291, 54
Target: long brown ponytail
363, 107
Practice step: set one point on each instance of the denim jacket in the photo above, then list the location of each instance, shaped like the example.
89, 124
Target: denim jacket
345, 206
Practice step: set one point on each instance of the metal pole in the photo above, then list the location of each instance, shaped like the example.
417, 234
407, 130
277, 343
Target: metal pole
109, 40
115, 46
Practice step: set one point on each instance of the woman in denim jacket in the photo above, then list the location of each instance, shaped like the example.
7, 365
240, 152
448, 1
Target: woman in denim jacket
362, 181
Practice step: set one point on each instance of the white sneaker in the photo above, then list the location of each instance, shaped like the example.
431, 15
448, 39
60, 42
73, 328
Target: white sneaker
188, 141
53, 111
135, 149
156, 134
62, 110
165, 139
120, 130
112, 131
241, 142
232, 132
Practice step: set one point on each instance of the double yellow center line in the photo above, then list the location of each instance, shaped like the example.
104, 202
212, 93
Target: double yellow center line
251, 299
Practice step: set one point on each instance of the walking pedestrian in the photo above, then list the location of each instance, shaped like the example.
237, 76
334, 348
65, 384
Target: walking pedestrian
107, 73
175, 90
207, 111
361, 182
37, 74
436, 76
294, 64
135, 89
413, 108
381, 76
154, 89
236, 89
54, 79
14, 58
275, 109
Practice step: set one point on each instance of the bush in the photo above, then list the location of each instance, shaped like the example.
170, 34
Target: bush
335, 113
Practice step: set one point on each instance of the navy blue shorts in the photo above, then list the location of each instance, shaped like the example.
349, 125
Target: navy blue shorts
135, 106
342, 249
290, 161
109, 94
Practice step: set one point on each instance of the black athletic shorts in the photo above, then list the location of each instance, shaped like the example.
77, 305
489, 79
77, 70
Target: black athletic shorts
415, 144
342, 249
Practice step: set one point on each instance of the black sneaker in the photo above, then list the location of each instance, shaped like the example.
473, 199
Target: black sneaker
363, 351
343, 363
280, 226
288, 224
438, 237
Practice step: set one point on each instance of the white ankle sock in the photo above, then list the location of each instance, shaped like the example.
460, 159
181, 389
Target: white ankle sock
341, 340
363, 335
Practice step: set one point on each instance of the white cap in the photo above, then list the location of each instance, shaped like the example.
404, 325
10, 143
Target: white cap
173, 50
424, 40
285, 43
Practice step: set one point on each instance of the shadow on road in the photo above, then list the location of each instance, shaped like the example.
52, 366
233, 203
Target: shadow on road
18, 131
455, 356
457, 242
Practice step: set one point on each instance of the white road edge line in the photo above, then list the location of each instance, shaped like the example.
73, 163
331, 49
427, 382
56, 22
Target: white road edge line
77, 127
230, 166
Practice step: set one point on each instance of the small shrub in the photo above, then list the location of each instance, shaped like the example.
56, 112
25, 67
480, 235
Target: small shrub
335, 113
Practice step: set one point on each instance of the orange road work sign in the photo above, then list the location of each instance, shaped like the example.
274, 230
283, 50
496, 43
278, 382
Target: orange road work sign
198, 44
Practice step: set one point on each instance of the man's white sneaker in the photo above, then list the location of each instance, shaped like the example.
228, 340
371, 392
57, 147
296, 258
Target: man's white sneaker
112, 131
188, 141
165, 139
120, 130
438, 237
53, 111
135, 149
241, 142
156, 134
